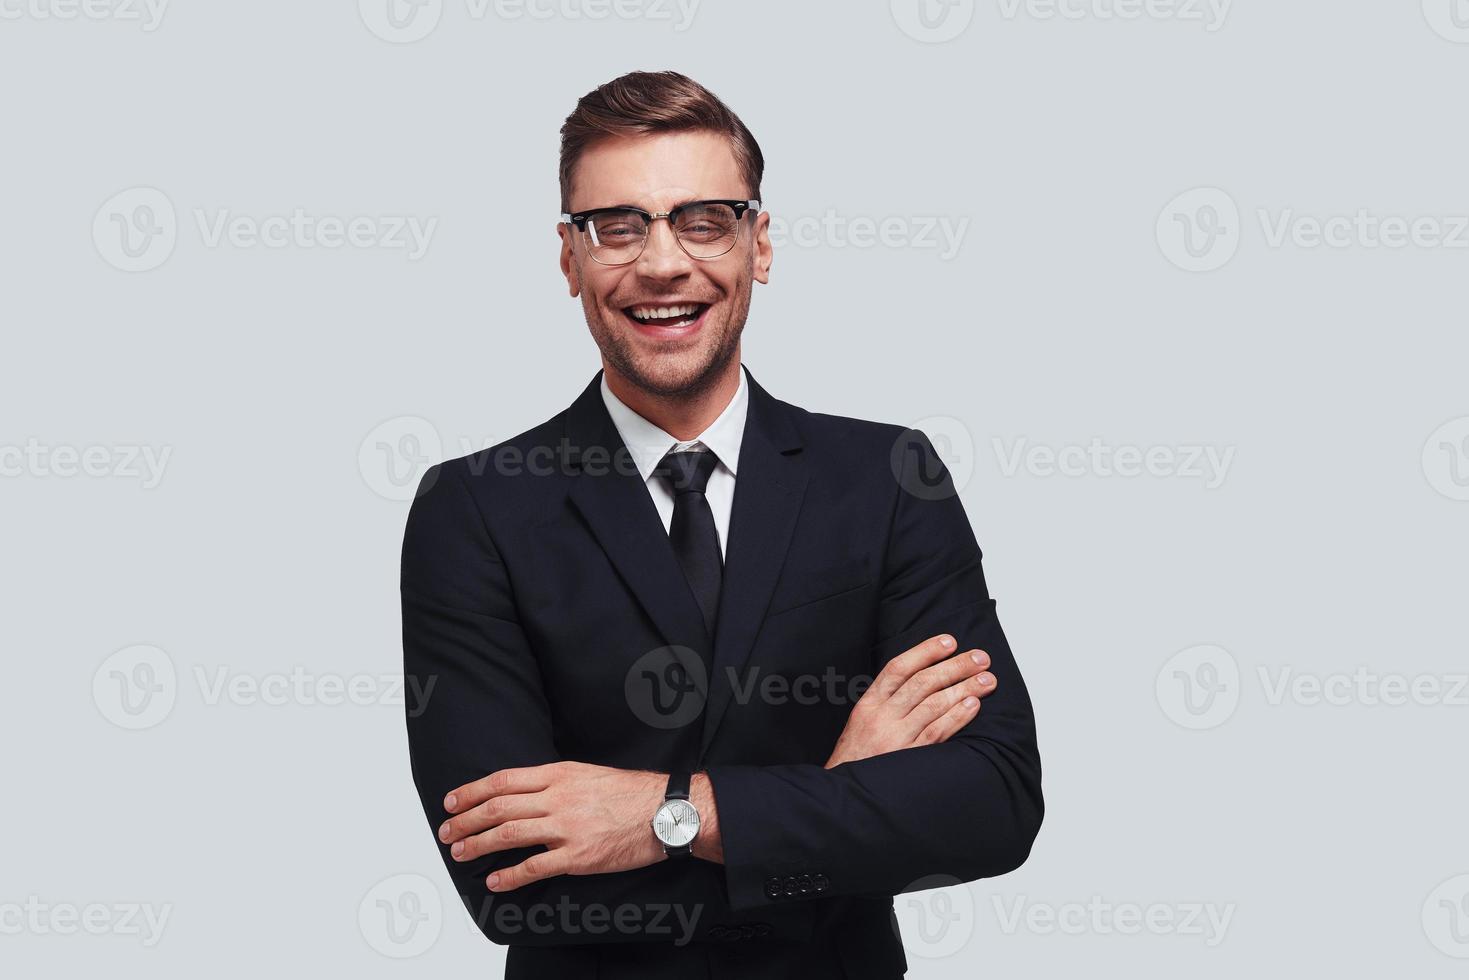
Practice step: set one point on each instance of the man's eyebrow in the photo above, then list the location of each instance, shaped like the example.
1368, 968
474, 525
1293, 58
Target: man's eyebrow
639, 207
611, 207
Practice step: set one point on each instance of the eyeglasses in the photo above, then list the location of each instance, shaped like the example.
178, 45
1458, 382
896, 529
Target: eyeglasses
703, 229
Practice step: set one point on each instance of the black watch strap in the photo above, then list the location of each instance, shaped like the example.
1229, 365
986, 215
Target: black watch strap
678, 789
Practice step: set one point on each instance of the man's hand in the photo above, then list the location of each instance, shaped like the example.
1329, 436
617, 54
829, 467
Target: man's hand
919, 698
593, 819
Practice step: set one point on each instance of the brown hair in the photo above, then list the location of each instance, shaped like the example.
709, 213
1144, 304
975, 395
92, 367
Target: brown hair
643, 102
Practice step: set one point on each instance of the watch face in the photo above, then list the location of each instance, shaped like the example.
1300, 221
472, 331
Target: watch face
676, 823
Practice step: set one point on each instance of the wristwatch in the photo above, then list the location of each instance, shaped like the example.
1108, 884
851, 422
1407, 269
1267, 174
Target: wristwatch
676, 823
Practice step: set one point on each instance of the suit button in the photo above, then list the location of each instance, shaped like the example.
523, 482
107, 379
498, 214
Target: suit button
773, 888
820, 882
717, 933
791, 888
762, 928
747, 931
803, 884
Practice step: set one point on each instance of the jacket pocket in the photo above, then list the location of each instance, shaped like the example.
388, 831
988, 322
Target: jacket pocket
804, 587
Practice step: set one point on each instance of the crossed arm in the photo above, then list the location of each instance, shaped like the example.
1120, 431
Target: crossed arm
961, 798
594, 819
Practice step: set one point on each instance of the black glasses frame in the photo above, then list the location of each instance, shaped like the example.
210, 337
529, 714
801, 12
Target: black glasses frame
579, 221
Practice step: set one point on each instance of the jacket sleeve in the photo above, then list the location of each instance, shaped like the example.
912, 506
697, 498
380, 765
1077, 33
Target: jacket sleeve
967, 808
482, 708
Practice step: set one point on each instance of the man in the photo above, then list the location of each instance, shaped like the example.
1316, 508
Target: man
651, 748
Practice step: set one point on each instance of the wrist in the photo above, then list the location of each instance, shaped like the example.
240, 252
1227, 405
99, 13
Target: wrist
657, 785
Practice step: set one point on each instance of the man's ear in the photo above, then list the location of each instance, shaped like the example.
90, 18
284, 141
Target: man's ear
764, 254
568, 263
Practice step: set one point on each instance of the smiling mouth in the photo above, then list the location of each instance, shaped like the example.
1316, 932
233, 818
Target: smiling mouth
674, 315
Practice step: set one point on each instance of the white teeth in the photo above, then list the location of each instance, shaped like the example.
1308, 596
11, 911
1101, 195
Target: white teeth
663, 312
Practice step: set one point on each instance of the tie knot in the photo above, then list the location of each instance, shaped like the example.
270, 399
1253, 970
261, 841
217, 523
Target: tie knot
687, 471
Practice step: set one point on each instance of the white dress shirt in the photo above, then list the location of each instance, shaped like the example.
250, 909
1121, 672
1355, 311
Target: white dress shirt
648, 444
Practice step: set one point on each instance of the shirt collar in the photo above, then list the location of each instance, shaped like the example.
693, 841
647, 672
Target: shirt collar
648, 443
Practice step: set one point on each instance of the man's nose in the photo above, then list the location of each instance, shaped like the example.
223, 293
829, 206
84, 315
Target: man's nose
663, 257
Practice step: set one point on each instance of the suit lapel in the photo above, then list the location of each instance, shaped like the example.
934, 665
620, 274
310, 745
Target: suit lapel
769, 485
612, 497
614, 500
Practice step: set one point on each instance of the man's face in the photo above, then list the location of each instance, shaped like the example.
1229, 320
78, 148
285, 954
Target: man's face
657, 173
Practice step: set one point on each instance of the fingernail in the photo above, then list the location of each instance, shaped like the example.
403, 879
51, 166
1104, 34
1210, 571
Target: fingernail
977, 657
444, 832
493, 881
947, 643
970, 702
449, 802
986, 679
457, 849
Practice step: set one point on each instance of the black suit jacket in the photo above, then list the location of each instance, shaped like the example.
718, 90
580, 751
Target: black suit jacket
543, 598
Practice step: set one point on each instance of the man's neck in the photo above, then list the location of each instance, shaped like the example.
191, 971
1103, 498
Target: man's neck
682, 417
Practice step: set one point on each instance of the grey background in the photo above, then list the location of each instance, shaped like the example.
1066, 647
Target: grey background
1330, 834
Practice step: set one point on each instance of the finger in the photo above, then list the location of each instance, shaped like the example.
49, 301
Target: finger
936, 704
955, 670
531, 780
947, 725
909, 662
948, 673
491, 813
534, 868
508, 836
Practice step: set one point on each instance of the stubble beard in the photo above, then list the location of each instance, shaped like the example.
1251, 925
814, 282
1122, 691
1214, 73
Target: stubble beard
688, 373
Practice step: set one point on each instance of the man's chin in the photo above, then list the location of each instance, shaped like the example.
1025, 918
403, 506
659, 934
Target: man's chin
671, 372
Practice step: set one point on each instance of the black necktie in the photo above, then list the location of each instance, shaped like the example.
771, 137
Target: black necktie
692, 533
